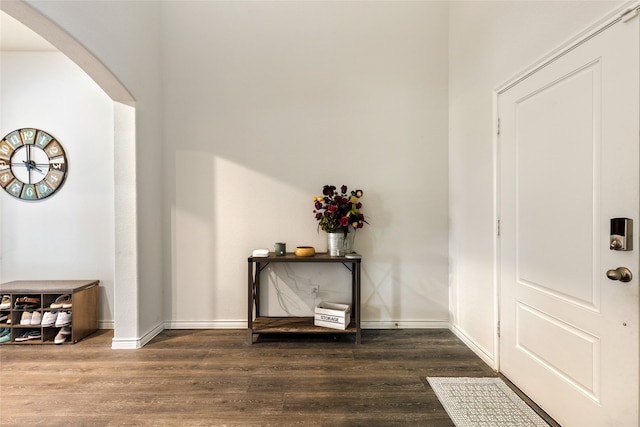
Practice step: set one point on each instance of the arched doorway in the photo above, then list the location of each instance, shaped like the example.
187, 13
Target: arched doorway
125, 312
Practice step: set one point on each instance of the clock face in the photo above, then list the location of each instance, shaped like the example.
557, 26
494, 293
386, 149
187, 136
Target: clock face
33, 164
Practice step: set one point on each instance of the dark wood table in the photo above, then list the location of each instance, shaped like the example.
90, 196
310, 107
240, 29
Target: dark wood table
258, 324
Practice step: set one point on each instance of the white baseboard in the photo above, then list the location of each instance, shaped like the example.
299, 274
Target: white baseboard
135, 343
478, 350
401, 324
105, 324
241, 324
205, 324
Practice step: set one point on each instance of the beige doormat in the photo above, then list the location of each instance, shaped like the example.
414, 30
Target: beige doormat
476, 402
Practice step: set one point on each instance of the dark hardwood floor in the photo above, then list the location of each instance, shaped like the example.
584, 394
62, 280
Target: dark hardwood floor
214, 378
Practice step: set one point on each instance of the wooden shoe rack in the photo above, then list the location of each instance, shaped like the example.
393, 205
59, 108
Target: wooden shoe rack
84, 309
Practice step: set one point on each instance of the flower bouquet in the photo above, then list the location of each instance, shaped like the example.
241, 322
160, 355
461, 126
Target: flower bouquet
336, 211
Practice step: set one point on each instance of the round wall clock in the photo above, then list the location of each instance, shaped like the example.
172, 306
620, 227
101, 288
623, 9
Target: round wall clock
33, 164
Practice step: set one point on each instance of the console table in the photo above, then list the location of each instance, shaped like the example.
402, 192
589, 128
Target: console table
258, 324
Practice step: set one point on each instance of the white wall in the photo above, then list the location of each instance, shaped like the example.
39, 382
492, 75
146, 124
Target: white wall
69, 235
256, 105
265, 102
490, 42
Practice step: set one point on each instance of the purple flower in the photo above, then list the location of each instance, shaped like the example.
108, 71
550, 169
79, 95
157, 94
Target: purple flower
318, 205
328, 190
343, 189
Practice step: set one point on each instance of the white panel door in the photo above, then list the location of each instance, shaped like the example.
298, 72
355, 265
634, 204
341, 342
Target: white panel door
568, 163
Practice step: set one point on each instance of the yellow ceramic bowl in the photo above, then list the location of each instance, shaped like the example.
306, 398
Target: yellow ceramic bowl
305, 251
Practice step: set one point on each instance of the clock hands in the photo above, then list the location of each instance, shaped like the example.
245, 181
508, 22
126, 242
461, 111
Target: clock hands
30, 164
33, 163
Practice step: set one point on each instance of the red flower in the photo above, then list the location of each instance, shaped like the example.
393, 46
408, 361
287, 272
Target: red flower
344, 221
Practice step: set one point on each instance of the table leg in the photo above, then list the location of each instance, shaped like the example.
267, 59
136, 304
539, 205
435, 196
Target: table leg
250, 297
355, 272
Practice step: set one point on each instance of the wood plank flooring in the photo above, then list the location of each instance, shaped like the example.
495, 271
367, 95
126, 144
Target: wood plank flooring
214, 378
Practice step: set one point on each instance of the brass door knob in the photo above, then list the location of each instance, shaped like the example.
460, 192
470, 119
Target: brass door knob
621, 273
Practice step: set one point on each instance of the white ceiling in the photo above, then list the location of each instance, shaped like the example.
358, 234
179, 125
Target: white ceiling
14, 36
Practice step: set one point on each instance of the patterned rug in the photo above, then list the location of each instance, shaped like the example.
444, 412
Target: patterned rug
475, 402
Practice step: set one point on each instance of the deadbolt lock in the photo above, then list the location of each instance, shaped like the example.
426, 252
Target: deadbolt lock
621, 235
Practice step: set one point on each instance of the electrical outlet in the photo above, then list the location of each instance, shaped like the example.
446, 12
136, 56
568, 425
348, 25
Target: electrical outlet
315, 289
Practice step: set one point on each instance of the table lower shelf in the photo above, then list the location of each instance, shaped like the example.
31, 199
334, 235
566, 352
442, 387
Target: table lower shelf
300, 325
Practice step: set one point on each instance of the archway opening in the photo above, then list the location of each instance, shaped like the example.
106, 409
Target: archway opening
125, 286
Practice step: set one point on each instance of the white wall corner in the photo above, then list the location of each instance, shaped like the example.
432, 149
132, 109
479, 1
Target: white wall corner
126, 309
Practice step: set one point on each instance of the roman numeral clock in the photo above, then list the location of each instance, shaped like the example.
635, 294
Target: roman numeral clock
33, 164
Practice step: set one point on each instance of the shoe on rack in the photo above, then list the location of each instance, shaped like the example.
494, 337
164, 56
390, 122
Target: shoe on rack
49, 318
4, 331
5, 338
26, 318
31, 334
4, 317
27, 302
63, 301
36, 317
63, 319
63, 335
26, 306
5, 302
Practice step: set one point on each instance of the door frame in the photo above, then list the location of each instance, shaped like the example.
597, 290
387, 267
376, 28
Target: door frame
626, 11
